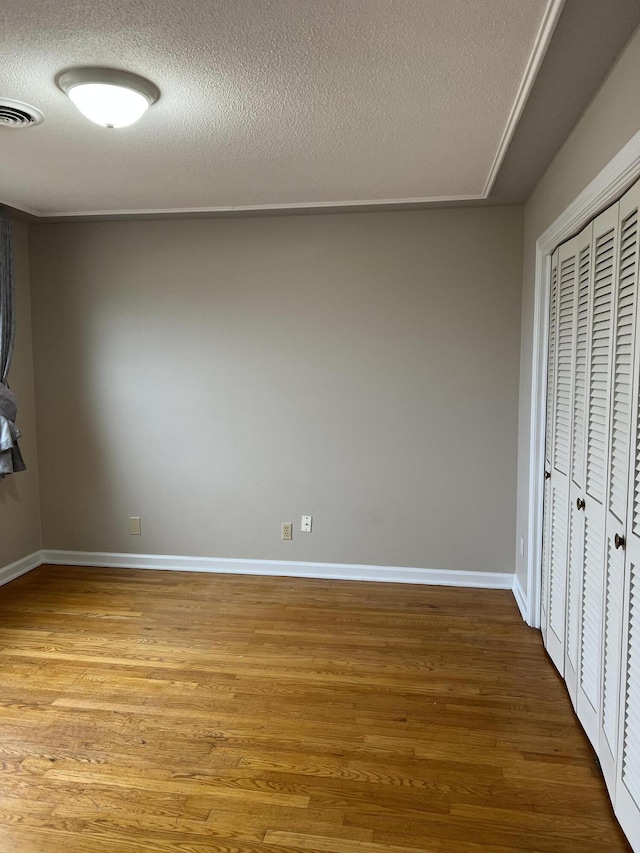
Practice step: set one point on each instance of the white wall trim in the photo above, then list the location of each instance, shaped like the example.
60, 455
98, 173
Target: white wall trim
279, 568
20, 567
603, 190
520, 597
284, 568
285, 207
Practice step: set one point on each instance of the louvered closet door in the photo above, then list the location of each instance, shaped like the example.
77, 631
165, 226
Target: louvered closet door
551, 378
591, 550
589, 693
561, 451
575, 564
627, 771
620, 436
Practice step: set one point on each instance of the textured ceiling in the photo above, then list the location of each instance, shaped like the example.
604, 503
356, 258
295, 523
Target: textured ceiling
270, 102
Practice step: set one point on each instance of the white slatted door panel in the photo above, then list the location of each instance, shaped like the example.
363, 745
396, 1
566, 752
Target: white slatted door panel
605, 244
588, 706
561, 450
620, 425
567, 289
612, 638
551, 369
575, 567
546, 558
578, 426
558, 543
627, 791
575, 571
624, 337
627, 787
598, 393
551, 375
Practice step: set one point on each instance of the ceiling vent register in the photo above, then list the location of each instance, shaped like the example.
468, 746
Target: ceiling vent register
15, 114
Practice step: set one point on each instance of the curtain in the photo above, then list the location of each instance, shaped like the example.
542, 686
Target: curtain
10, 456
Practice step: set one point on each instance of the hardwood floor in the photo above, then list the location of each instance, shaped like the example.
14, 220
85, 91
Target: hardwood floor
187, 713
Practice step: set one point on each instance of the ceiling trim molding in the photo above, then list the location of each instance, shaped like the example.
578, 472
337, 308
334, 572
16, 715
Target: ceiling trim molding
252, 208
536, 58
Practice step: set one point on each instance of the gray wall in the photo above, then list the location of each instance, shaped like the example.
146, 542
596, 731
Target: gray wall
608, 124
19, 499
218, 377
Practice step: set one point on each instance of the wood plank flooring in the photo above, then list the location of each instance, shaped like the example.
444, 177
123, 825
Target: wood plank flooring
190, 713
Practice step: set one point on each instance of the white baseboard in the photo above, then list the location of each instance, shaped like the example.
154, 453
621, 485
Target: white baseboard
20, 567
284, 568
520, 597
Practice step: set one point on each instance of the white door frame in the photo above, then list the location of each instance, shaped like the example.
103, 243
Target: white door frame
603, 190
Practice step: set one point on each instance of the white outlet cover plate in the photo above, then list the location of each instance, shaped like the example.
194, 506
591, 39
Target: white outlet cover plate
305, 525
287, 530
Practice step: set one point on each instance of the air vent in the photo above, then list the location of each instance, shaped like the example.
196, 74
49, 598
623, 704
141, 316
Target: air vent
15, 114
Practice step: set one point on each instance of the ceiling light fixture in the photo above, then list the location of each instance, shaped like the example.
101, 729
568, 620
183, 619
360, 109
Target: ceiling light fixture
107, 96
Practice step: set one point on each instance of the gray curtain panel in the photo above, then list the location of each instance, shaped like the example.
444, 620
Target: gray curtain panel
10, 456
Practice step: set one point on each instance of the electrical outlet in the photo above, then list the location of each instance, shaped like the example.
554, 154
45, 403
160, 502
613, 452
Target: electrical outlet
305, 525
522, 546
135, 526
287, 530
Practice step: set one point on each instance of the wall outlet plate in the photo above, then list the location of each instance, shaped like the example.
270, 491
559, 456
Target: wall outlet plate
305, 525
287, 530
135, 525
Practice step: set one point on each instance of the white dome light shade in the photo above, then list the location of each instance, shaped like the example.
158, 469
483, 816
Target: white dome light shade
110, 106
108, 97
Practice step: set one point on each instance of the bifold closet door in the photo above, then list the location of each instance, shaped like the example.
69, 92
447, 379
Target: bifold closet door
591, 548
617, 496
548, 445
575, 559
627, 785
603, 272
